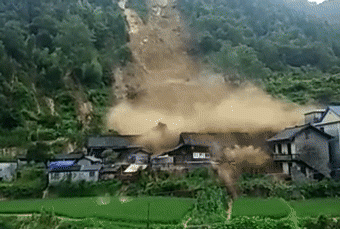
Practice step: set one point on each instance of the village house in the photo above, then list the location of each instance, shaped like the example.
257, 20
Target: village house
183, 157
124, 163
217, 142
8, 170
96, 145
10, 167
74, 167
302, 152
122, 156
328, 120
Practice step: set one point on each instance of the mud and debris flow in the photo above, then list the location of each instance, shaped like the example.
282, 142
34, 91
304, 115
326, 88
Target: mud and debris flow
163, 84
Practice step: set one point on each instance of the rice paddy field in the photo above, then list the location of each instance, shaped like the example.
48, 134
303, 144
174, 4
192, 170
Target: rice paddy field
276, 208
273, 208
124, 209
314, 207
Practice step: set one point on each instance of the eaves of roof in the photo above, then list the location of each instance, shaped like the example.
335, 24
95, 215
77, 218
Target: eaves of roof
293, 131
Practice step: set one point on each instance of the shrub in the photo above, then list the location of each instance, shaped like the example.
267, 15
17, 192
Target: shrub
256, 185
264, 186
179, 185
46, 220
30, 184
84, 189
320, 223
282, 190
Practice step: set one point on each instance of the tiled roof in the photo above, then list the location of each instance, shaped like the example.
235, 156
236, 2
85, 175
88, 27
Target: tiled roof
59, 164
93, 159
109, 142
204, 148
110, 168
71, 156
136, 150
336, 109
63, 166
228, 139
291, 132
286, 134
91, 167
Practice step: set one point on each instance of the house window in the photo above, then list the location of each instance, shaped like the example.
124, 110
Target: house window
55, 176
289, 146
303, 169
279, 147
92, 173
199, 155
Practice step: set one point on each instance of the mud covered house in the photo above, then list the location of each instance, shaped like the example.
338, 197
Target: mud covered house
302, 152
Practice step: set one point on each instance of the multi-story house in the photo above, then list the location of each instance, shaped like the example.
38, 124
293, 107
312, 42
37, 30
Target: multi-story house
312, 149
302, 152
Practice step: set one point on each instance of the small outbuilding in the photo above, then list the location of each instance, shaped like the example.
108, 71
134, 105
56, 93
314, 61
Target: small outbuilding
8, 170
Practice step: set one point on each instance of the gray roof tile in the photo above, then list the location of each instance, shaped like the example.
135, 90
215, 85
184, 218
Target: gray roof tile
109, 142
291, 132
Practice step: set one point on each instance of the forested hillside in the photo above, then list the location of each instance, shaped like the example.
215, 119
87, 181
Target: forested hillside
57, 59
56, 62
292, 55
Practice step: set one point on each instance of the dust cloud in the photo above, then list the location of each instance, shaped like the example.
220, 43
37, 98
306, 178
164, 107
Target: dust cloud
174, 94
203, 107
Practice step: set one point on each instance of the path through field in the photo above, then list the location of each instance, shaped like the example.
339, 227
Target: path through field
230, 206
292, 216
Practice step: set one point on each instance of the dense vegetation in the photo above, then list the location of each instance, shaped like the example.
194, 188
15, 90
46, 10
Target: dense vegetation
30, 183
55, 58
291, 55
266, 186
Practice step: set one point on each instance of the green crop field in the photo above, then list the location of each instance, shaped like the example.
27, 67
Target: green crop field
276, 208
162, 210
273, 208
315, 207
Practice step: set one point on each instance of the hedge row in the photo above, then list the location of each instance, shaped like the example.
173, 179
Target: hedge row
266, 186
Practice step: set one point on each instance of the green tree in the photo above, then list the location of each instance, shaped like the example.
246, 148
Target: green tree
40, 152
